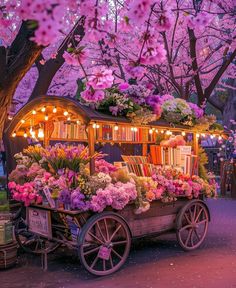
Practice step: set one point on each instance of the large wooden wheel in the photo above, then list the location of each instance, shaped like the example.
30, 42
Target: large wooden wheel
104, 243
31, 242
192, 225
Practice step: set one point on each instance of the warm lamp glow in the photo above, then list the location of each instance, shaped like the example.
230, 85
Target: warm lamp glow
65, 113
25, 135
54, 110
94, 125
33, 112
22, 121
197, 135
116, 128
14, 134
68, 118
10, 117
40, 133
78, 122
46, 117
183, 133
43, 109
150, 131
220, 137
135, 129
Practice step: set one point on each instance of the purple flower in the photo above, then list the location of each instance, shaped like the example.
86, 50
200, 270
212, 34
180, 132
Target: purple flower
114, 110
198, 112
65, 197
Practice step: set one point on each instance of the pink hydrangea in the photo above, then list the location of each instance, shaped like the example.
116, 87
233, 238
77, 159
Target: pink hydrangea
102, 165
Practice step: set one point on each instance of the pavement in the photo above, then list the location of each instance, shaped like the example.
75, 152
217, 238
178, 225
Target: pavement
153, 263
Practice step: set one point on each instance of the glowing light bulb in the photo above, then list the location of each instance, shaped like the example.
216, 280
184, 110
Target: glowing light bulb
162, 131
25, 135
65, 113
22, 121
212, 136
150, 131
68, 118
43, 109
135, 129
33, 112
94, 125
203, 134
14, 134
78, 122
220, 137
46, 117
197, 135
183, 133
40, 133
156, 131
132, 128
97, 126
10, 117
116, 128
54, 110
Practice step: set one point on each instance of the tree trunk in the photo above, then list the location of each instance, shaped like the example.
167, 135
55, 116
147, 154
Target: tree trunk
229, 112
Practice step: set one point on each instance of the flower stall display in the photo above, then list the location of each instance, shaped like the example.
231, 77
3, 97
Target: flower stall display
64, 170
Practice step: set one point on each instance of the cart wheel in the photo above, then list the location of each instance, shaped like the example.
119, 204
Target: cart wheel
104, 243
192, 225
30, 242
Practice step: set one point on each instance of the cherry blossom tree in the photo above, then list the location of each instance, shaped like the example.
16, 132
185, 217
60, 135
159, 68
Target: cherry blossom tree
169, 46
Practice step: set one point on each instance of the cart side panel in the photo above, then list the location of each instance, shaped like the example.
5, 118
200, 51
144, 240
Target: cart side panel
159, 218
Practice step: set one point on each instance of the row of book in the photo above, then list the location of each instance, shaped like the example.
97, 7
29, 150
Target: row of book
68, 130
139, 165
181, 156
124, 133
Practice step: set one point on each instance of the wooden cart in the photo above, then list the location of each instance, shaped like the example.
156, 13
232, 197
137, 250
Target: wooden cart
103, 240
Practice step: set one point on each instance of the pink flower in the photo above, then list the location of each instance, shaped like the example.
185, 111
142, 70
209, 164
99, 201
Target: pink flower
11, 185
101, 78
92, 96
123, 86
163, 22
153, 55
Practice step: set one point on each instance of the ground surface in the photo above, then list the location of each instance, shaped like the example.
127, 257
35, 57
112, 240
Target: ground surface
152, 263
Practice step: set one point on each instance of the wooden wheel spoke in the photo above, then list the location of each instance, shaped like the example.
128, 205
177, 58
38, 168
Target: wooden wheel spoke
91, 251
194, 212
111, 262
100, 231
201, 222
186, 217
191, 238
188, 237
106, 228
95, 237
104, 264
119, 242
94, 262
198, 237
184, 228
198, 215
116, 253
114, 233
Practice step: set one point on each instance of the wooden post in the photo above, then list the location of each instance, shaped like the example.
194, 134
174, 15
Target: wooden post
195, 143
91, 145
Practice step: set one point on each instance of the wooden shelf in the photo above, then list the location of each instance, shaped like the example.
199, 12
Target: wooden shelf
68, 139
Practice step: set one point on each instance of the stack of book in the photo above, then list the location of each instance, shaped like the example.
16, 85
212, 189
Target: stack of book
180, 156
139, 165
68, 130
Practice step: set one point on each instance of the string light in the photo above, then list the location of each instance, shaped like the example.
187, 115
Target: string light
43, 109
68, 118
14, 134
94, 125
116, 128
132, 128
150, 131
156, 131
97, 126
40, 133
46, 117
212, 136
197, 135
203, 135
22, 121
54, 110
135, 129
33, 112
220, 137
25, 135
183, 133
168, 132
78, 122
65, 113
162, 131
10, 117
